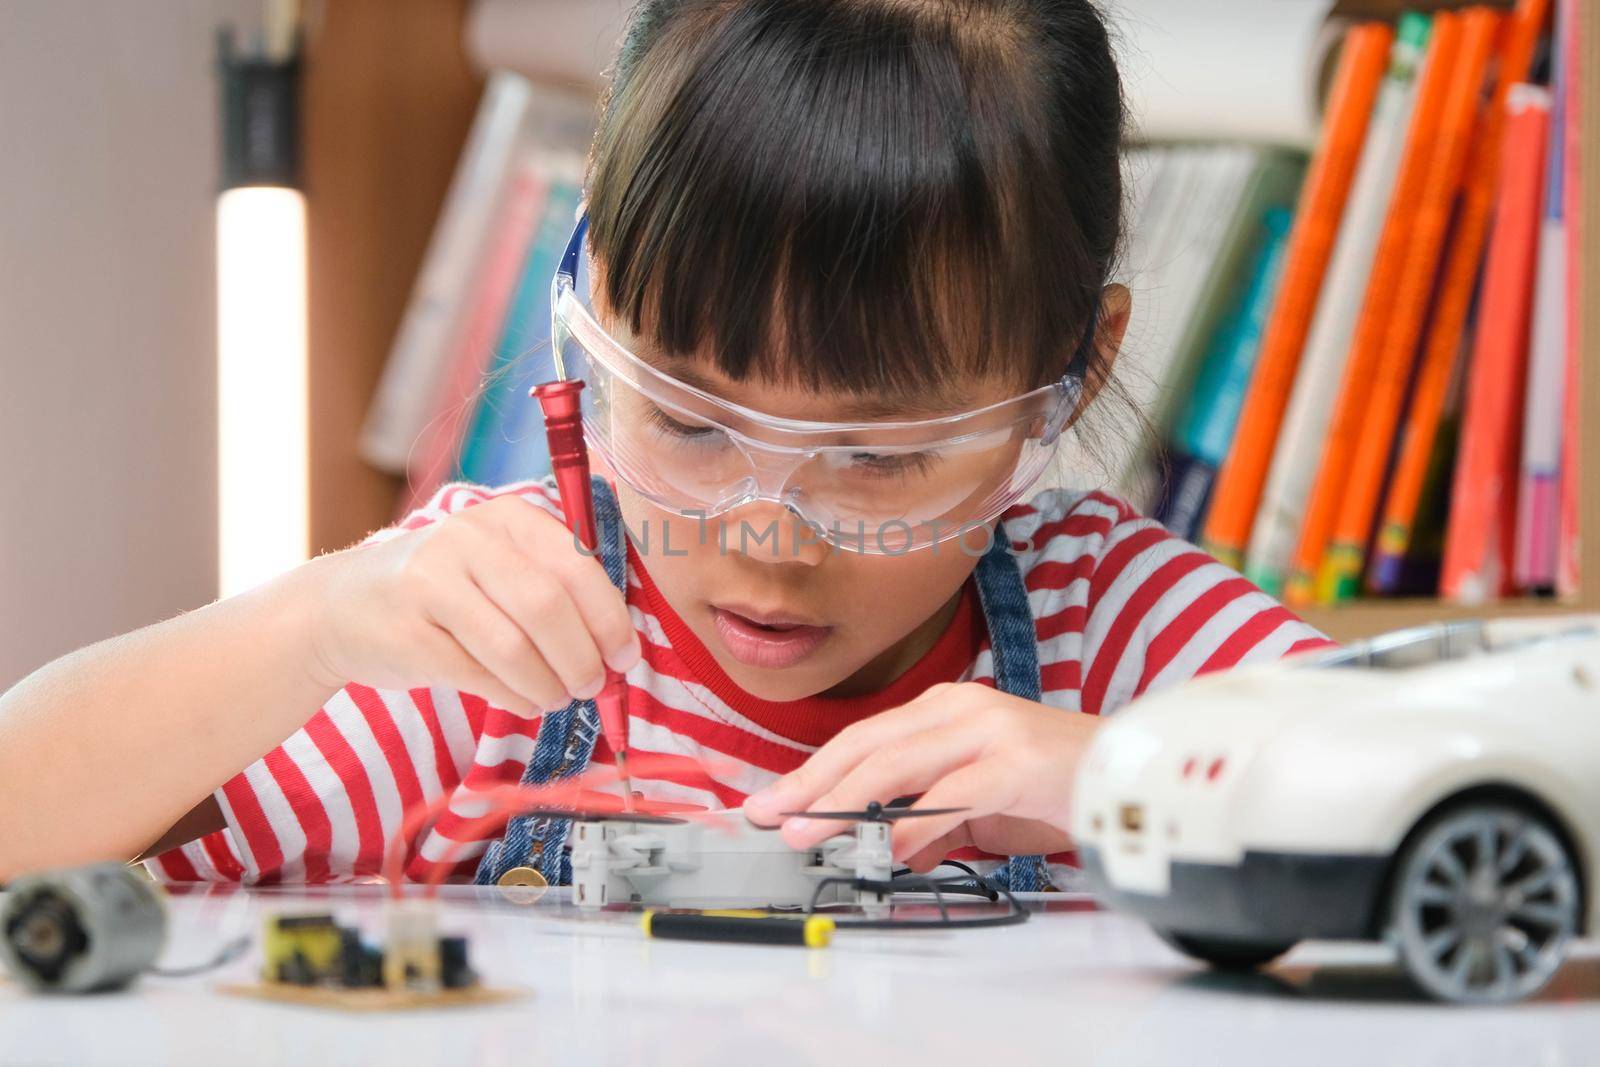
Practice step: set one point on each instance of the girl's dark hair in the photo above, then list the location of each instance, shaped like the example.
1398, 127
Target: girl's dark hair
875, 196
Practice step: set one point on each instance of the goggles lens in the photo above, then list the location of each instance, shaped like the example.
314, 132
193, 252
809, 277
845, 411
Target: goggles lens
879, 487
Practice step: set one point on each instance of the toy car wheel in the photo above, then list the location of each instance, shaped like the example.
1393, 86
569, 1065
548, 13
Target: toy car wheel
1483, 903
1223, 953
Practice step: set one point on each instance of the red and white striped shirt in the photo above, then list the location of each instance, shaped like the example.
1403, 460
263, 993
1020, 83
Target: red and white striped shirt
1120, 606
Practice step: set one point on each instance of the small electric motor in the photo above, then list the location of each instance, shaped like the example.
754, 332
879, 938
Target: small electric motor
81, 930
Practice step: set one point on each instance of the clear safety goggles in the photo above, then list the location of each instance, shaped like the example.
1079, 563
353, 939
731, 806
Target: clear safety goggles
882, 488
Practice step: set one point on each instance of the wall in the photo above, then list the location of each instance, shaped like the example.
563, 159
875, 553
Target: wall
107, 454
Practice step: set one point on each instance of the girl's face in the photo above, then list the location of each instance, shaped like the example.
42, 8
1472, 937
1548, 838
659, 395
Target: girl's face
784, 614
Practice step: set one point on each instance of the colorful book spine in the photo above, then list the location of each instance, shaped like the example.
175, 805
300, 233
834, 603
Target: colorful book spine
1299, 445
523, 448
1321, 205
1206, 426
1477, 557
1186, 280
1447, 337
522, 356
441, 442
1344, 562
1582, 26
1336, 466
434, 313
1538, 493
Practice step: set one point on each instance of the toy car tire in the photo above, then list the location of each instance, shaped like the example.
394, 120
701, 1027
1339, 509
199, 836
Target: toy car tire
1223, 953
1484, 899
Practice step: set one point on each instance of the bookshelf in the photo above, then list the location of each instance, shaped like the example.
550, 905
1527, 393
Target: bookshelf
1363, 618
389, 97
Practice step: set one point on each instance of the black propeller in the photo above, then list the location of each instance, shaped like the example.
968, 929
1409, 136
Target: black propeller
874, 812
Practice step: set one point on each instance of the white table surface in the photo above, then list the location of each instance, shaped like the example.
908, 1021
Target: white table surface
1072, 985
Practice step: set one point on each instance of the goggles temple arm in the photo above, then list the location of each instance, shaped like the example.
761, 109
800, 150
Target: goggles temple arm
569, 259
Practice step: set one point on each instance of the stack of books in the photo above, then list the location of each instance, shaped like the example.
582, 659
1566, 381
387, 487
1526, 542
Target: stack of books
453, 400
1377, 394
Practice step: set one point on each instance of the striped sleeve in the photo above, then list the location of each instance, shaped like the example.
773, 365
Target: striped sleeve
323, 805
458, 496
1134, 608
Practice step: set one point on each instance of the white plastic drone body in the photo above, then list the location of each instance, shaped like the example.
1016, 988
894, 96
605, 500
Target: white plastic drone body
1438, 788
722, 859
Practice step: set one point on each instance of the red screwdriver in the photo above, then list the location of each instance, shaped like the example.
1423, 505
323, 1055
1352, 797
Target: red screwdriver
569, 460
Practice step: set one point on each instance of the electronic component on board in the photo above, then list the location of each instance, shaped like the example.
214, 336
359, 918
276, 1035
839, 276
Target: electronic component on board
311, 959
314, 950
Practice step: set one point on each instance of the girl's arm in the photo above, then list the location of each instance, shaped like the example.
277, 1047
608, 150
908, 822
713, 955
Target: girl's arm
103, 751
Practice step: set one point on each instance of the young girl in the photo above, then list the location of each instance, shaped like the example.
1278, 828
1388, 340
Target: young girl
845, 285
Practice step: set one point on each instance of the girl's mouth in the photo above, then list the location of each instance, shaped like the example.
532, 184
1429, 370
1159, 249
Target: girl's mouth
758, 639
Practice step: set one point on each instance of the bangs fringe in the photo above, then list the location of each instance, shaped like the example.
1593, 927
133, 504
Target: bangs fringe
855, 195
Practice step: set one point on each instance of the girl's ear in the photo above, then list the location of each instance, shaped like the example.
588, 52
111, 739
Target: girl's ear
1116, 305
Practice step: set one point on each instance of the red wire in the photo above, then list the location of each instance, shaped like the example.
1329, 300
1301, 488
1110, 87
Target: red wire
509, 800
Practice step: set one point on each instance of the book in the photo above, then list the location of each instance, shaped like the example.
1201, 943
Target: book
434, 312
1416, 572
1538, 492
1580, 20
1205, 427
1321, 205
1197, 278
1336, 465
521, 356
1344, 562
1298, 447
1447, 336
435, 457
1477, 556
524, 450
1191, 259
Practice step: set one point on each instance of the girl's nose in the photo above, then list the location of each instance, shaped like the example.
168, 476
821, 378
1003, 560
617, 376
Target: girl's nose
769, 532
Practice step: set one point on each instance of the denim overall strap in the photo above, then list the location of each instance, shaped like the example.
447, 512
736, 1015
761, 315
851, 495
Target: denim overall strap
566, 739
1013, 642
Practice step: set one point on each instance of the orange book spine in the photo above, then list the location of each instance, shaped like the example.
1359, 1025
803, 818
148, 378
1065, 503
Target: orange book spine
1322, 200
1355, 388
1478, 540
1339, 576
1459, 277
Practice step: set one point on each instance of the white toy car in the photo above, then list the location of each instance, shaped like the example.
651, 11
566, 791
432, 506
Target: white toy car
1436, 787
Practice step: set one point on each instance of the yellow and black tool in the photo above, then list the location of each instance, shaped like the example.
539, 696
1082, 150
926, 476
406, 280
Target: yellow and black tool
745, 927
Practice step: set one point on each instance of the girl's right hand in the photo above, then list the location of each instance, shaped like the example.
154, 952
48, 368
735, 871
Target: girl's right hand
495, 600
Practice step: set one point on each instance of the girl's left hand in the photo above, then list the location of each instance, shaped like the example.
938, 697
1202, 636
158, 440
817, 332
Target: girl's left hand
1009, 762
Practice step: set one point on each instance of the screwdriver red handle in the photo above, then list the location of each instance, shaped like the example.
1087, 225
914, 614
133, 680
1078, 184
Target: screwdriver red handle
562, 404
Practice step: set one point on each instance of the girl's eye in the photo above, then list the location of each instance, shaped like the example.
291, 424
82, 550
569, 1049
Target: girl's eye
893, 464
668, 425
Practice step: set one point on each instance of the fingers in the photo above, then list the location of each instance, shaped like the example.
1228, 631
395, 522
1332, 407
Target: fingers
459, 670
978, 789
498, 644
931, 856
800, 789
538, 615
547, 546
603, 609
900, 768
544, 612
